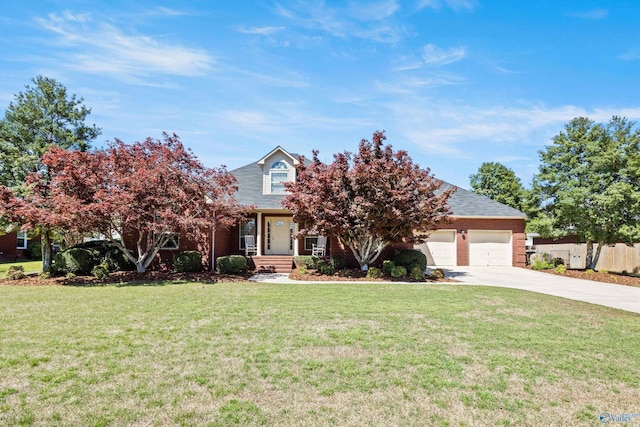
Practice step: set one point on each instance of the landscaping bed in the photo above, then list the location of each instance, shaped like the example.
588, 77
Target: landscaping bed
355, 275
126, 277
616, 278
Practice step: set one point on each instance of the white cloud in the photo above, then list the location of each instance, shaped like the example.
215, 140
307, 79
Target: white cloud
632, 55
591, 14
346, 23
435, 56
456, 5
261, 31
104, 49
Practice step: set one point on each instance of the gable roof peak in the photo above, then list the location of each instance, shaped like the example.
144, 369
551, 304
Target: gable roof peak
283, 151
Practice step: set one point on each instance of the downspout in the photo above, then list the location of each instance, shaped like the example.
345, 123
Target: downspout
213, 248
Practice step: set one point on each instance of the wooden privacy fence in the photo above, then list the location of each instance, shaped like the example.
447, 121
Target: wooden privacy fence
617, 258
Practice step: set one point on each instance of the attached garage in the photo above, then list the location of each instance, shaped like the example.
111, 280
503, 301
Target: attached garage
489, 247
440, 248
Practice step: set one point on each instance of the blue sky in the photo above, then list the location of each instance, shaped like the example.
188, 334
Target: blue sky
454, 82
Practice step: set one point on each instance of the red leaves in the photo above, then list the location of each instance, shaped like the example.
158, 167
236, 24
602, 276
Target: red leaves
375, 194
149, 187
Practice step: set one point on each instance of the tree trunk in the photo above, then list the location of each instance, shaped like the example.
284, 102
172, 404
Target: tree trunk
596, 257
590, 261
45, 243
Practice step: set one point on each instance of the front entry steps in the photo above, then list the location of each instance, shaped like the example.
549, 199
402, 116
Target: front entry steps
272, 263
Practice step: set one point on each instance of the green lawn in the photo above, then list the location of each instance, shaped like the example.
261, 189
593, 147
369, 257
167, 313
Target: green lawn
29, 267
261, 354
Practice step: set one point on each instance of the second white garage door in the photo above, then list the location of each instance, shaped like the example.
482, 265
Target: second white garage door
440, 248
489, 247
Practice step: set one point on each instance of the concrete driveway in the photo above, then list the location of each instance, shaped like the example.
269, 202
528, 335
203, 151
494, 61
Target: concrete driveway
616, 296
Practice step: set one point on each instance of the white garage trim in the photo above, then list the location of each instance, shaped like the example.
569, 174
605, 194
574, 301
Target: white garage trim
490, 247
440, 248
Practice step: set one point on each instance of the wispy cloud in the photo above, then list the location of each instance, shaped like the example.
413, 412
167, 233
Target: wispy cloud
456, 5
361, 21
261, 31
590, 14
632, 55
435, 56
102, 48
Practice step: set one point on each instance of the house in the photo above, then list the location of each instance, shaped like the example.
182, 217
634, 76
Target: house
482, 231
13, 246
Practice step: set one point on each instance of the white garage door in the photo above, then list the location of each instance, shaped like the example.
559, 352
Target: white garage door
489, 247
440, 248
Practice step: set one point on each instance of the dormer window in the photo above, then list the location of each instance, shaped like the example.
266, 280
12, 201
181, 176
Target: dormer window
278, 174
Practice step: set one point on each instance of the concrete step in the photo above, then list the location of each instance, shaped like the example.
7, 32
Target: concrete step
272, 264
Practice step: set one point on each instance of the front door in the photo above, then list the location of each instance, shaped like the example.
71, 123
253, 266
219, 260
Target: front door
279, 236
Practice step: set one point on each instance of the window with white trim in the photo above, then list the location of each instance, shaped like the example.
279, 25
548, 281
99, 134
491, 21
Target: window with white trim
309, 241
22, 240
172, 243
278, 175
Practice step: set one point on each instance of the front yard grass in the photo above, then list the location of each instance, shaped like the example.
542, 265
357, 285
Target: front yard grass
29, 267
344, 354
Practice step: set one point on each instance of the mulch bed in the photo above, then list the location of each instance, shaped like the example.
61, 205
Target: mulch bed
619, 279
354, 275
126, 277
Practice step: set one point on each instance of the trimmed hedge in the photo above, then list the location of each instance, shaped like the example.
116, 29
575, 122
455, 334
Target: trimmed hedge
232, 264
82, 258
309, 261
15, 272
187, 262
75, 260
408, 258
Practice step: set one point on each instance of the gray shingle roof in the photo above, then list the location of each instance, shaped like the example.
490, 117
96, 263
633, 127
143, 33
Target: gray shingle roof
466, 203
462, 202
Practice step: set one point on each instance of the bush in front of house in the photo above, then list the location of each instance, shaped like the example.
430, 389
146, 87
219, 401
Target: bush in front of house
436, 274
75, 260
232, 264
308, 261
35, 250
101, 271
187, 262
338, 262
325, 268
15, 272
416, 273
398, 271
387, 266
374, 273
408, 258
106, 250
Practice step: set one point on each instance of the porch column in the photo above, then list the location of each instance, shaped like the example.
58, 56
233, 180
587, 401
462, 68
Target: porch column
296, 242
259, 234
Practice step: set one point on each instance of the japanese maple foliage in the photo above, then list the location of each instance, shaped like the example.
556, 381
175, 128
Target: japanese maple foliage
367, 200
150, 189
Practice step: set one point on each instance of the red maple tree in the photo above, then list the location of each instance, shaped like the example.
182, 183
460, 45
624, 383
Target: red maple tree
150, 190
367, 200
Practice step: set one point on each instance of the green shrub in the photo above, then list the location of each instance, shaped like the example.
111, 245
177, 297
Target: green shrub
338, 262
35, 250
302, 269
561, 269
101, 271
398, 271
540, 264
408, 258
436, 274
232, 264
187, 262
15, 272
416, 273
325, 268
588, 272
345, 272
308, 261
45, 275
107, 250
374, 273
387, 266
603, 271
75, 260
